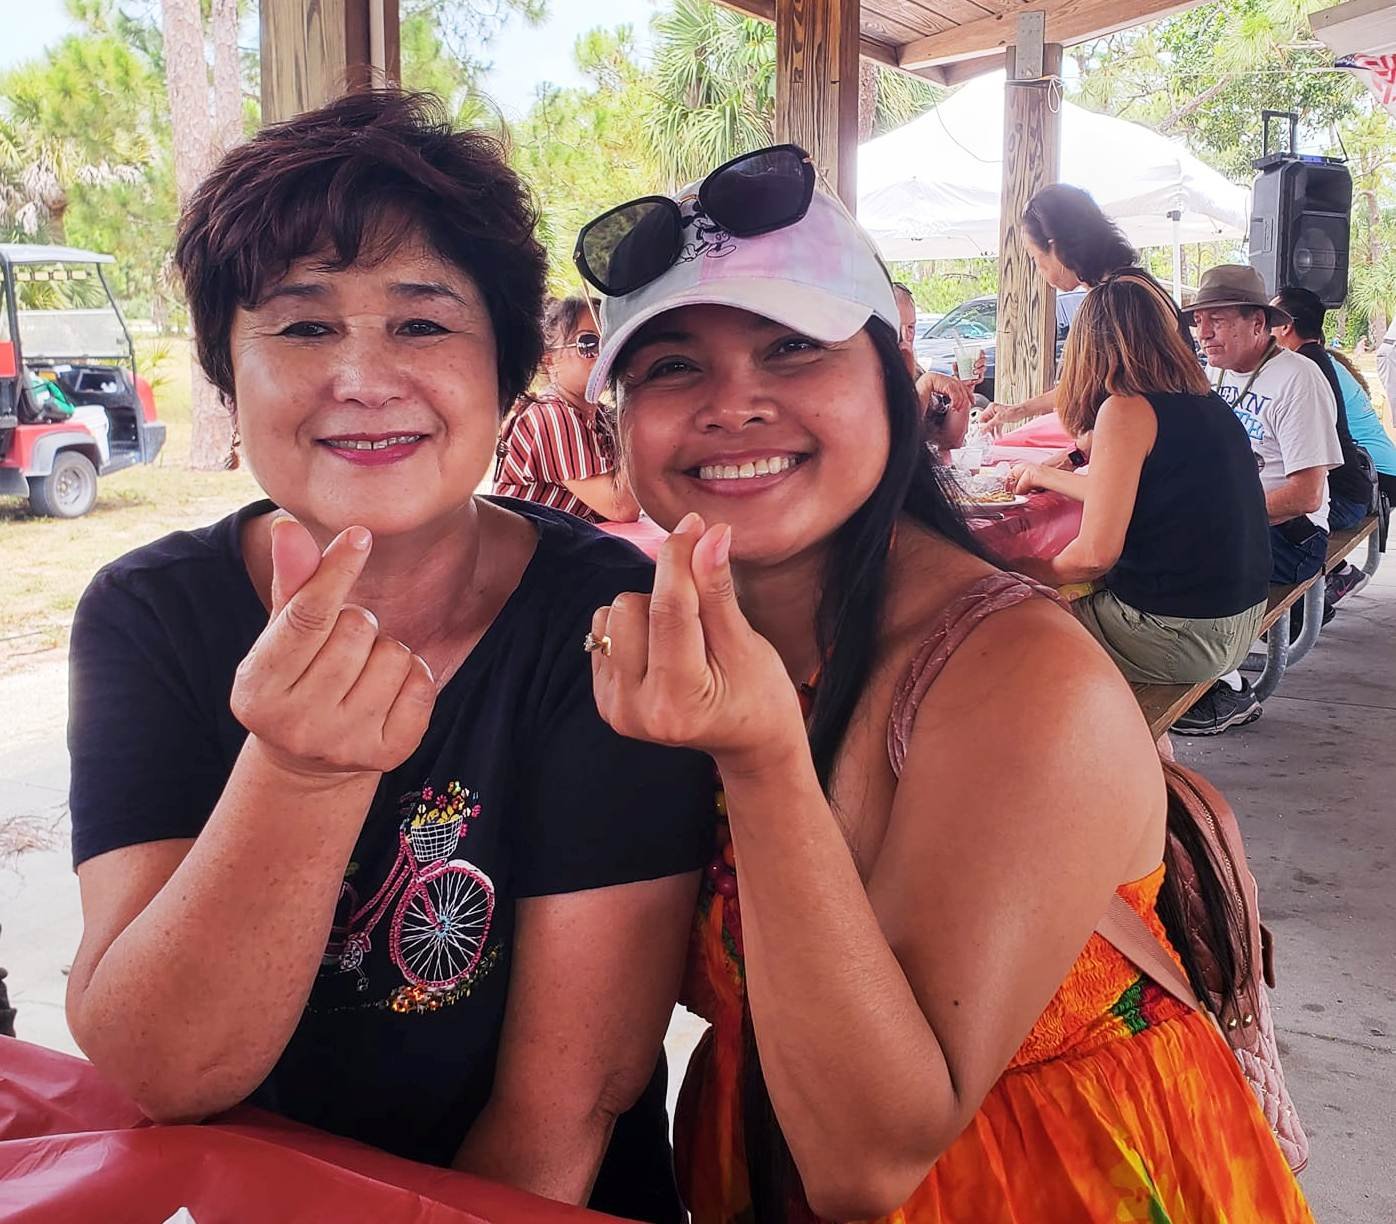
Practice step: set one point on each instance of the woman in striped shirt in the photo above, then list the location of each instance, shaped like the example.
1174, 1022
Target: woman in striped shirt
556, 448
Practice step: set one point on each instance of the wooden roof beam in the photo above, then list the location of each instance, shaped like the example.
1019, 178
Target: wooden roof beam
1068, 22
1367, 26
868, 48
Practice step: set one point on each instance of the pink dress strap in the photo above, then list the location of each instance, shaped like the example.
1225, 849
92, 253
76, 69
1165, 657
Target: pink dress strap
985, 597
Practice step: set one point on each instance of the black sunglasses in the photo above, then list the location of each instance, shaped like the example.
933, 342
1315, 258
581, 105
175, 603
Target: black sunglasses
587, 344
635, 243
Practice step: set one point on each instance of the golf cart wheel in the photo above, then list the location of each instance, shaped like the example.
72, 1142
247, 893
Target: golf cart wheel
69, 491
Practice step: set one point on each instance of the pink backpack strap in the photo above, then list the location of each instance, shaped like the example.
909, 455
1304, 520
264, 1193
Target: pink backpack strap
1121, 925
984, 598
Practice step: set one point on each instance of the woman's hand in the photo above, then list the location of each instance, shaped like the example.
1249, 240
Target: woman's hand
999, 416
322, 691
686, 669
977, 370
960, 395
1025, 477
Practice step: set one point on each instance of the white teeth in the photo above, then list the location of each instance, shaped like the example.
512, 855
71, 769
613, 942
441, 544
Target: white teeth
364, 444
773, 466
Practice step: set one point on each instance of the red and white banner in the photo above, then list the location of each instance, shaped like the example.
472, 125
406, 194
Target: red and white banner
1378, 71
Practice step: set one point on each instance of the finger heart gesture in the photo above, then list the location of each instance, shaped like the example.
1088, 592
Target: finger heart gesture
323, 689
683, 666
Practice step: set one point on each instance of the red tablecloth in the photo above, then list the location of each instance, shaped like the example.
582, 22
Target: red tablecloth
1042, 528
74, 1150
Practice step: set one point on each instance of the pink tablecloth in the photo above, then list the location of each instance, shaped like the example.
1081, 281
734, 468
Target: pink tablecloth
74, 1150
1042, 528
1045, 432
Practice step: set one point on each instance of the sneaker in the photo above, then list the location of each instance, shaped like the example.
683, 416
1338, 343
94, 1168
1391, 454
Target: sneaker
1219, 709
1344, 582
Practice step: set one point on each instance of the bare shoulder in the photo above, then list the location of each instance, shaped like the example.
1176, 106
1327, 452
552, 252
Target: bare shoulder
1031, 657
926, 574
1120, 412
1033, 684
1035, 654
1030, 700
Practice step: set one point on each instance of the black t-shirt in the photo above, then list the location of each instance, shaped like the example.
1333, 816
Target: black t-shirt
1198, 541
518, 789
1349, 480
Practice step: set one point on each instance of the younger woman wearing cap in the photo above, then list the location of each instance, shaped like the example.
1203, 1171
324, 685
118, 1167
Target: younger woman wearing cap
932, 780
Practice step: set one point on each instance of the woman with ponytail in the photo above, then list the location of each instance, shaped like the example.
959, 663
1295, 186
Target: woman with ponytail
931, 780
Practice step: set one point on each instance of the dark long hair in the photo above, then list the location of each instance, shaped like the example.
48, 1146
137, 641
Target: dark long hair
848, 621
1079, 234
849, 616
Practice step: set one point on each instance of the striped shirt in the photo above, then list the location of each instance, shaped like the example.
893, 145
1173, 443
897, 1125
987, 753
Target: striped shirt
546, 443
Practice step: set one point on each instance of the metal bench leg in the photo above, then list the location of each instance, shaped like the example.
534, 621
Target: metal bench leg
1276, 659
1313, 622
1369, 567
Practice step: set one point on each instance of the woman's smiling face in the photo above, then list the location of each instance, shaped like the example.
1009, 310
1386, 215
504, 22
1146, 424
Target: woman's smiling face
751, 423
370, 394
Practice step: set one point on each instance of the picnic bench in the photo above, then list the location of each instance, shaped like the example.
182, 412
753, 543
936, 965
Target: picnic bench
1164, 704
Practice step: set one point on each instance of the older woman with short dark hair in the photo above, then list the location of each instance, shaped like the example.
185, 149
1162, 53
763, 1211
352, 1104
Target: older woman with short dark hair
352, 840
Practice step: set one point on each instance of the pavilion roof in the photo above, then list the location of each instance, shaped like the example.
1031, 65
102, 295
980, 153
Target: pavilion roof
948, 41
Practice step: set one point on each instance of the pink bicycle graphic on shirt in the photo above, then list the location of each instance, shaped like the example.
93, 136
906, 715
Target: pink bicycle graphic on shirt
437, 930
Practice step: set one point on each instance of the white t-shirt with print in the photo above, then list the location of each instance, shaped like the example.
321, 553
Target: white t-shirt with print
1291, 419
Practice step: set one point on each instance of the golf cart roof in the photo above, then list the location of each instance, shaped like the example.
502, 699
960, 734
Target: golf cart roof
32, 253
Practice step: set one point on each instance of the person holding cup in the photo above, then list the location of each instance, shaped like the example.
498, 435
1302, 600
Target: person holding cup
1073, 244
346, 822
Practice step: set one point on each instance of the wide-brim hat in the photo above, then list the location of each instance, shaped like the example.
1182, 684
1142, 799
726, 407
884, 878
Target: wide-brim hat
822, 276
1235, 285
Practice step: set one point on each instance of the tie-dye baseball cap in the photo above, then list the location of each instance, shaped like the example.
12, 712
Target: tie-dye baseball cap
821, 276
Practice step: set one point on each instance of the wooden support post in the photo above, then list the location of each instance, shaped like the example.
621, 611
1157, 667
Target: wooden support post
315, 50
817, 86
1027, 326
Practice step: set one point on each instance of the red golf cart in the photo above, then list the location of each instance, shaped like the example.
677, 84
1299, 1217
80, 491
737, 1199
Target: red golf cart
71, 405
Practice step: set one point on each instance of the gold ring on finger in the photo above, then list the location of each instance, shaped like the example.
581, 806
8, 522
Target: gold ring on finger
591, 643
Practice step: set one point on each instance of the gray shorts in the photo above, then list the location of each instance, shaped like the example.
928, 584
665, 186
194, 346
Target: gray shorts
1151, 649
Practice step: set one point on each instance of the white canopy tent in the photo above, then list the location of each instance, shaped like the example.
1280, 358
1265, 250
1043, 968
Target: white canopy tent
930, 189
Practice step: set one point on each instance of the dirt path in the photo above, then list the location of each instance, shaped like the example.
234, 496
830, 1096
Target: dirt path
39, 907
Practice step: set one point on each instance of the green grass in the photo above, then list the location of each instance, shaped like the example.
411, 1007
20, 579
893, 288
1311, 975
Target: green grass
48, 562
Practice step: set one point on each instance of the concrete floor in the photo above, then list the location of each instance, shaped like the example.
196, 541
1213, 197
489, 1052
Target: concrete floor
1313, 782
1314, 785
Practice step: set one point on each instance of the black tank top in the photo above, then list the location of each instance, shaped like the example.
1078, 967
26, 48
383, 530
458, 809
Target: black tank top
1198, 543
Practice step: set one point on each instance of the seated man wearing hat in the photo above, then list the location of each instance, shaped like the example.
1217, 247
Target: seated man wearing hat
1289, 413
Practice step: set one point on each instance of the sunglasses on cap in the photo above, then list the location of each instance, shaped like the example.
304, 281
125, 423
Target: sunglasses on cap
587, 344
635, 243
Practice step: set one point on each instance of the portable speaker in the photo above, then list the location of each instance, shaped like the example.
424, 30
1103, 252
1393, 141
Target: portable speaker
1300, 220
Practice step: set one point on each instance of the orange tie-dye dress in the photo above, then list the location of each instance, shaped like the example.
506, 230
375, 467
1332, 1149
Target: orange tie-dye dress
1120, 1106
